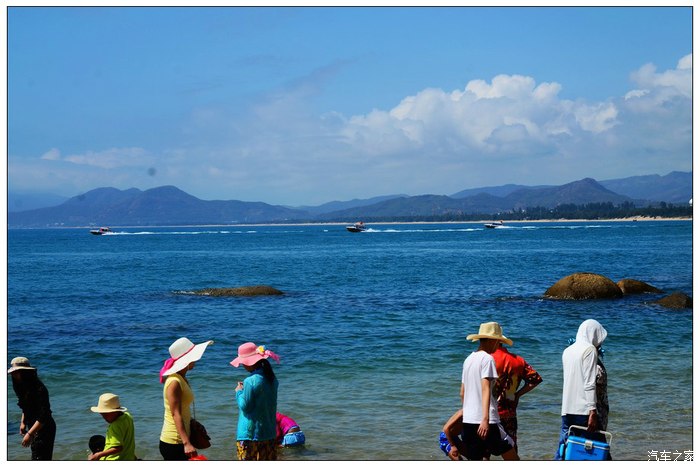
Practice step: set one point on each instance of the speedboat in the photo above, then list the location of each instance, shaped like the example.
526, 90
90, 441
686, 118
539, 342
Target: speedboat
493, 225
101, 231
357, 227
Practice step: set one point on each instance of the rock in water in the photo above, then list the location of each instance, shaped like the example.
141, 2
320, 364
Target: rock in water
676, 300
632, 286
583, 286
248, 291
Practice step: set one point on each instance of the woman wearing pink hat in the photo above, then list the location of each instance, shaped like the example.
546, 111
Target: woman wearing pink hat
177, 397
257, 404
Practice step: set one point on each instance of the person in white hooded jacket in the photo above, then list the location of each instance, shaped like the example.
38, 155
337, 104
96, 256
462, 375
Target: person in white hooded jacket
580, 359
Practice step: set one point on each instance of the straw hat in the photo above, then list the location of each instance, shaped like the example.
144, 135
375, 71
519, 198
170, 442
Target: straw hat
249, 354
20, 363
183, 352
490, 330
107, 403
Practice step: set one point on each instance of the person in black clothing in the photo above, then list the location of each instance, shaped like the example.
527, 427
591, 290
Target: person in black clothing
38, 428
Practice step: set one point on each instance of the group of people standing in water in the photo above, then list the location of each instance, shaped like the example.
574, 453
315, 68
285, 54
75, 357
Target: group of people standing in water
494, 380
257, 433
261, 429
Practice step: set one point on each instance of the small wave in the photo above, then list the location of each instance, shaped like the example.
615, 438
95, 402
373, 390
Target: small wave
198, 232
183, 292
554, 227
468, 229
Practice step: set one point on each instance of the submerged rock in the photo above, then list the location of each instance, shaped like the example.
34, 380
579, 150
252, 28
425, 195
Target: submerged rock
583, 286
676, 300
248, 291
633, 286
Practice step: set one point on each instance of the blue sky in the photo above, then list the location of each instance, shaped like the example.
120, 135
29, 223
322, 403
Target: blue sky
300, 106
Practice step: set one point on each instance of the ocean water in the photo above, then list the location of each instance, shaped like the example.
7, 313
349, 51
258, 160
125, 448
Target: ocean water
371, 328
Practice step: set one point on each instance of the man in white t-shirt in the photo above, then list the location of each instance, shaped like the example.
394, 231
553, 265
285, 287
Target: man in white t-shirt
482, 433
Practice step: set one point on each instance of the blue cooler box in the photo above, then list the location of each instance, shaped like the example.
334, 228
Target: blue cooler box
579, 448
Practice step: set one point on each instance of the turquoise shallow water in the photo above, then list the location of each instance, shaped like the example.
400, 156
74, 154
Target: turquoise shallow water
371, 328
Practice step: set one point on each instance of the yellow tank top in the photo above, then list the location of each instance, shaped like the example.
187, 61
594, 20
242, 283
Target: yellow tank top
169, 433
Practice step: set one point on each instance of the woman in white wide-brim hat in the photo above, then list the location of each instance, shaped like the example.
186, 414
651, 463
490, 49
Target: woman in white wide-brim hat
177, 397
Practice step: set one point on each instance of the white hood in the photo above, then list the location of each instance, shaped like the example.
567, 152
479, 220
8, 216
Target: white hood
591, 332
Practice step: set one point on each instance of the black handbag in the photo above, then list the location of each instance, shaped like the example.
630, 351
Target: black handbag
198, 435
199, 438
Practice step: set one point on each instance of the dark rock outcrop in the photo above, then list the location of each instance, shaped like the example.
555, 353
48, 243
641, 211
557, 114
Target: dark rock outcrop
583, 286
248, 291
676, 300
633, 286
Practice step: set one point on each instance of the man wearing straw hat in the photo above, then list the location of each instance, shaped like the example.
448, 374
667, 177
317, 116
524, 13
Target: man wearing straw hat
482, 432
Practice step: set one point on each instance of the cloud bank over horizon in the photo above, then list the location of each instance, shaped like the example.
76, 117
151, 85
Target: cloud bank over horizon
280, 150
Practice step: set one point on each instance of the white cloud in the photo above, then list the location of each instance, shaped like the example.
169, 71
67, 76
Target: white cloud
513, 87
110, 158
596, 118
636, 93
52, 154
686, 63
657, 118
672, 82
478, 118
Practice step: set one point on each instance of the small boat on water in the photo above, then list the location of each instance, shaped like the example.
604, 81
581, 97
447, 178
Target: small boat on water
357, 227
101, 231
493, 225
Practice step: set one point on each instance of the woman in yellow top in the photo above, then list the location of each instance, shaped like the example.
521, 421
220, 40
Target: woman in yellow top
177, 397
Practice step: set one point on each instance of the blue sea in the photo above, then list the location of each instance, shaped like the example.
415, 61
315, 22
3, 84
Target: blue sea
371, 328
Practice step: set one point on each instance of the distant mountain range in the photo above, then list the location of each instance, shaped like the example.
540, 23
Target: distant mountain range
676, 187
169, 205
579, 192
341, 205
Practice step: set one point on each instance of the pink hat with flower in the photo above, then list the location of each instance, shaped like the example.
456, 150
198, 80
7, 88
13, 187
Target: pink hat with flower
249, 354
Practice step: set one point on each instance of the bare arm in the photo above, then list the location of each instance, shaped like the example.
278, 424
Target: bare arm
174, 396
452, 429
592, 420
96, 456
531, 379
27, 440
524, 390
